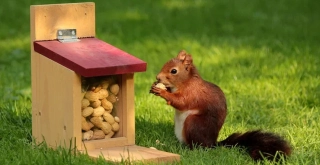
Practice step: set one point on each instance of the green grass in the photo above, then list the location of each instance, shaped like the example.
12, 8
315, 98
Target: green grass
265, 55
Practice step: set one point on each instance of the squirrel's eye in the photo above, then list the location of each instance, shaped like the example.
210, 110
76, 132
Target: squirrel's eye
173, 71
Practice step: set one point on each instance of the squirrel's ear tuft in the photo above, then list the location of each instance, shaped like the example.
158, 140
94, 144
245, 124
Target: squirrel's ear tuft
181, 55
187, 60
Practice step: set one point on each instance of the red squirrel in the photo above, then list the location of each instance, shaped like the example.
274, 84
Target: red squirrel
201, 110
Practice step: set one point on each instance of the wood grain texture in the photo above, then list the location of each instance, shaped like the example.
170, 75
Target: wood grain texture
47, 19
56, 114
128, 113
90, 57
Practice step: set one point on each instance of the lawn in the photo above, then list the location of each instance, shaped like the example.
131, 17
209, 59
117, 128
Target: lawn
265, 56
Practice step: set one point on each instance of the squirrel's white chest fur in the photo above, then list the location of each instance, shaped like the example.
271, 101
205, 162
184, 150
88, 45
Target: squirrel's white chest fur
179, 119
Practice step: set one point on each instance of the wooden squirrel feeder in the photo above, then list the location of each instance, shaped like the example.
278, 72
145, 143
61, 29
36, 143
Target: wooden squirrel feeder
65, 56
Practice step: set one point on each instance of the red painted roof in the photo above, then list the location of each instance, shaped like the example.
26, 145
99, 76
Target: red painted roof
90, 57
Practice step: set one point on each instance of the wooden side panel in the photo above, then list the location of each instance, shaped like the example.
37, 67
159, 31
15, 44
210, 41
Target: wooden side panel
128, 106
57, 112
47, 19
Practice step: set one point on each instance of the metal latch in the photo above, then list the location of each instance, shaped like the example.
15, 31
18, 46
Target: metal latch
67, 35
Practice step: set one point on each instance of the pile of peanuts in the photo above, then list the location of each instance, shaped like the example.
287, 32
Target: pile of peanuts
97, 105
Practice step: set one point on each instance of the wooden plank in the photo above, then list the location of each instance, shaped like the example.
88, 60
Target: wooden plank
127, 95
57, 113
134, 153
47, 19
90, 57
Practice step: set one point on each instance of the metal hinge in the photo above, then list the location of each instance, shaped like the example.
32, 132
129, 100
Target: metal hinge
67, 35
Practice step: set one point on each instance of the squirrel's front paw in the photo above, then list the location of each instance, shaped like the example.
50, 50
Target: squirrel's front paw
155, 90
152, 86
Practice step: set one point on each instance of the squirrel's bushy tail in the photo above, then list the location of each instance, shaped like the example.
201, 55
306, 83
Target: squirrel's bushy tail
260, 145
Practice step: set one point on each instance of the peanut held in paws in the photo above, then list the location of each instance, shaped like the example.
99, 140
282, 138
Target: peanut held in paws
156, 88
161, 86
